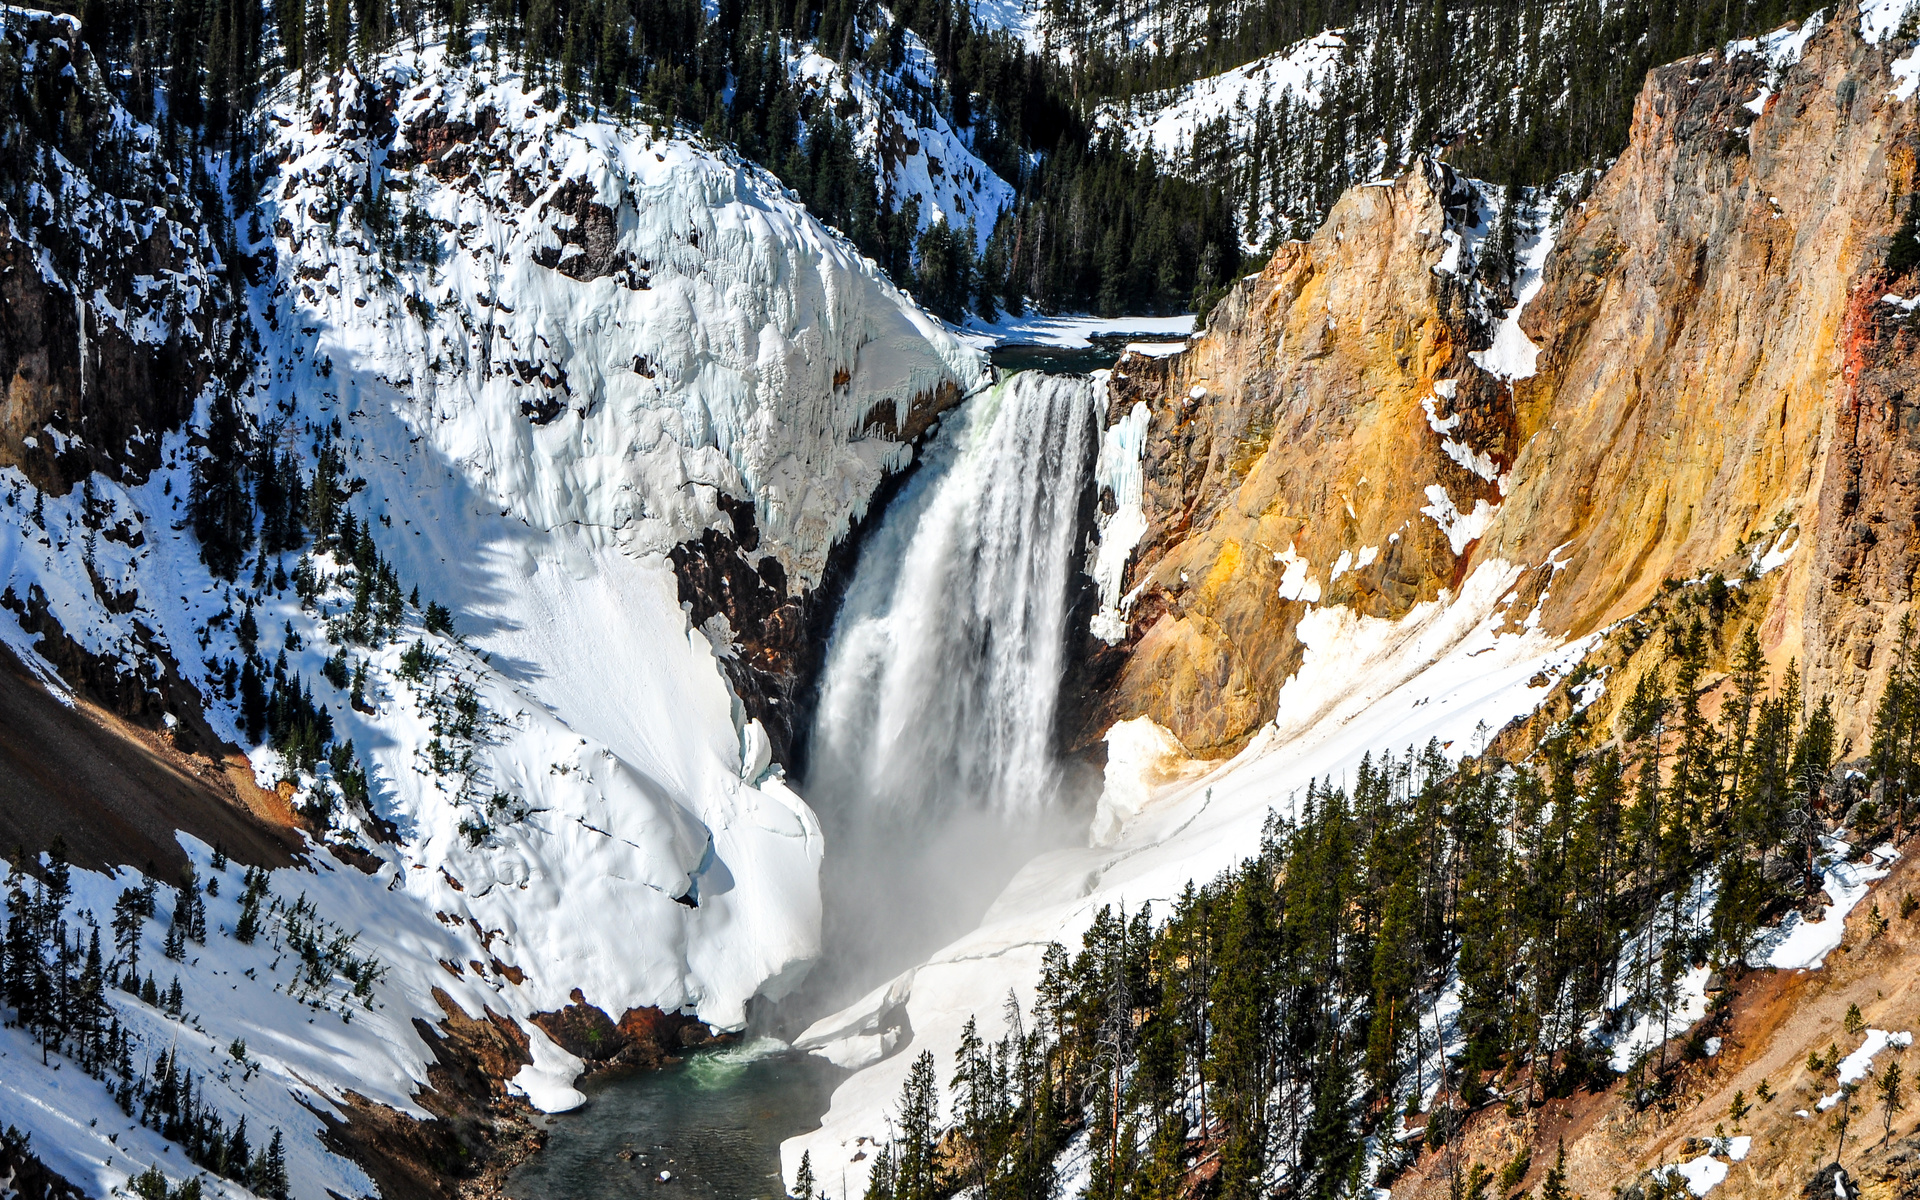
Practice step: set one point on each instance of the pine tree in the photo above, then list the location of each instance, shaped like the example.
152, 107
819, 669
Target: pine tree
1554, 1186
220, 506
268, 1176
1812, 758
1895, 722
919, 1132
803, 1182
1890, 1088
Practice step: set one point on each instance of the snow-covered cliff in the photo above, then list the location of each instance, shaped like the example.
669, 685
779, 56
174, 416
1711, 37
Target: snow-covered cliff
535, 351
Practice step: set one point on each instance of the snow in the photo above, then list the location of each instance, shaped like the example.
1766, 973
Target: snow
1155, 349
1364, 685
1477, 462
1655, 1027
1905, 303
1637, 991
1804, 945
865, 1032
1906, 76
547, 1081
1513, 354
1118, 470
1707, 1172
1168, 122
1781, 48
304, 1054
1071, 331
1882, 18
1439, 424
1025, 19
1349, 562
1856, 1066
1462, 529
1702, 1174
1771, 556
1141, 753
1296, 579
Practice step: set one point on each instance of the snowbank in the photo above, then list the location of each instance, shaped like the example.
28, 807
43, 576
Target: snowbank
1857, 1066
1070, 331
1804, 944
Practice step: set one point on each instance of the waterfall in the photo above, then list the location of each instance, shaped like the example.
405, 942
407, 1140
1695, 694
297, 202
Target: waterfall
932, 754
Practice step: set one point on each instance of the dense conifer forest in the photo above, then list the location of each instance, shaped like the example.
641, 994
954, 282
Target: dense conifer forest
1261, 1032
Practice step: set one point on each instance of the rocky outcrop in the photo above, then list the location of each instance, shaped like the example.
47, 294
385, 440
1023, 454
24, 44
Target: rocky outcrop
1718, 378
1292, 456
475, 1132
110, 289
770, 633
1715, 379
645, 1038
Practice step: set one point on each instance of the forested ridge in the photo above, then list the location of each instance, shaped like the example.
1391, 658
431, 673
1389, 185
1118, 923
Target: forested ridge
1530, 89
1260, 1034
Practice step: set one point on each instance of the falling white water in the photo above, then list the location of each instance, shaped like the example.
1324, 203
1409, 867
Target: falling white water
932, 756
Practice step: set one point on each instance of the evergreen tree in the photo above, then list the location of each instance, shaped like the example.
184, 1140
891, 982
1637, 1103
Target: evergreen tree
220, 507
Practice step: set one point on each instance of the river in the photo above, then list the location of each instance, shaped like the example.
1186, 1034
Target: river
708, 1127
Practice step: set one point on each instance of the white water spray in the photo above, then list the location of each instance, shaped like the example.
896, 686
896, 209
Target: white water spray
933, 747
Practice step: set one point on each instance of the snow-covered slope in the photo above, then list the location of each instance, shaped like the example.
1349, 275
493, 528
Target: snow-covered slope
921, 157
1367, 685
545, 351
307, 1041
672, 322
1227, 106
1265, 125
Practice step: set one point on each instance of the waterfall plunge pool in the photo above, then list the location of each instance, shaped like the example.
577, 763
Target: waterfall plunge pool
713, 1122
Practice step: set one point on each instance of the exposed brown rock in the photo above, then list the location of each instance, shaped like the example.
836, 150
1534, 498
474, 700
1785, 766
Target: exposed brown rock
778, 634
74, 369
1296, 422
589, 246
643, 1037
477, 1132
1693, 325
117, 792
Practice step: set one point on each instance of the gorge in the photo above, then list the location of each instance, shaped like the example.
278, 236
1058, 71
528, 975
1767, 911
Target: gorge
509, 612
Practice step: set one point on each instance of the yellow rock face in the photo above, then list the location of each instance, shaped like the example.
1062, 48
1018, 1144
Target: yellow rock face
1716, 379
1295, 431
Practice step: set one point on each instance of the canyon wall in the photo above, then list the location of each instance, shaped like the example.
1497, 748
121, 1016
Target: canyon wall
1291, 453
1704, 374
